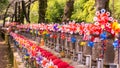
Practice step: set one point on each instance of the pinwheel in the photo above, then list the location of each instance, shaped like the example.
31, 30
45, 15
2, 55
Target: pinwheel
52, 57
103, 36
55, 27
102, 17
90, 44
70, 67
103, 24
115, 43
63, 65
73, 39
39, 59
57, 61
72, 27
62, 36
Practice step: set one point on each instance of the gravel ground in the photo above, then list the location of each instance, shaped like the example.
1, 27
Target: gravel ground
4, 60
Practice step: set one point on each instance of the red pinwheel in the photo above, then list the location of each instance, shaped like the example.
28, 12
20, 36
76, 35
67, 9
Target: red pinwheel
63, 28
70, 67
92, 38
41, 50
62, 36
97, 30
37, 48
102, 18
46, 54
63, 65
57, 61
34, 53
81, 29
108, 27
44, 62
54, 36
52, 57
72, 27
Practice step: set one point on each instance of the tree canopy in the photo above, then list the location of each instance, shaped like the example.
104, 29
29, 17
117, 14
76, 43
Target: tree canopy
3, 4
84, 10
115, 9
55, 10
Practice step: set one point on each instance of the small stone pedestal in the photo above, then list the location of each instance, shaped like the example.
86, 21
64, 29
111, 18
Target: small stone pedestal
88, 61
99, 63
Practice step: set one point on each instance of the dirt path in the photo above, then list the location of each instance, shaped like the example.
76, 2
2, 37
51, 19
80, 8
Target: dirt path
4, 60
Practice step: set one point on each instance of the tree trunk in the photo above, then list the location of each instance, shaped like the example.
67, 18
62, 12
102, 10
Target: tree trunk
24, 11
12, 17
68, 10
42, 10
29, 10
22, 17
102, 4
19, 10
16, 19
28, 3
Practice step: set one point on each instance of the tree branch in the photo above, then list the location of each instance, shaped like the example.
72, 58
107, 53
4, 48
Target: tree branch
6, 12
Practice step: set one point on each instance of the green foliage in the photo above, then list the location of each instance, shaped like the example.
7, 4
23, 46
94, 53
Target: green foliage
55, 10
3, 4
83, 10
34, 12
89, 10
115, 9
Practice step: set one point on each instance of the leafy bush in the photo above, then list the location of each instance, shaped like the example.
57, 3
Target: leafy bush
55, 10
83, 10
116, 10
34, 12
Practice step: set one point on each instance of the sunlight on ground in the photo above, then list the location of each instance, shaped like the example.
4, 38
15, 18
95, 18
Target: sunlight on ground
1, 21
3, 42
